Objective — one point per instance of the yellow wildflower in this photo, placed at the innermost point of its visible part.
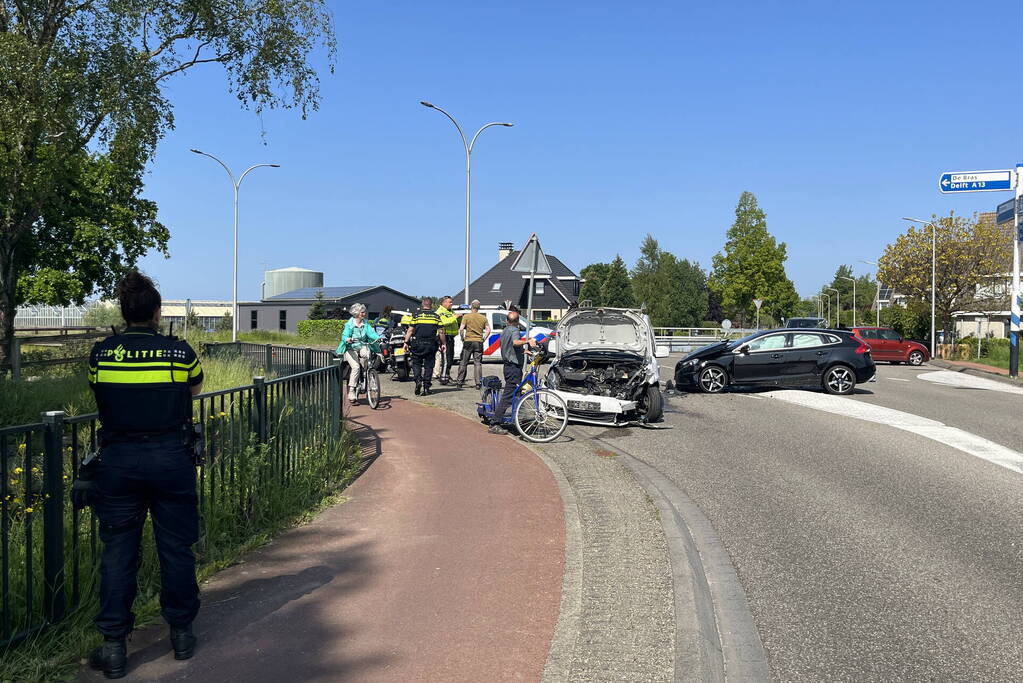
(36, 470)
(28, 509)
(18, 470)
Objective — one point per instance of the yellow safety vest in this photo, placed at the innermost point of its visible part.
(448, 321)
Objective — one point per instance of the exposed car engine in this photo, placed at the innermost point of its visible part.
(616, 375)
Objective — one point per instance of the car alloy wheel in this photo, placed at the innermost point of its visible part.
(839, 380)
(712, 379)
(916, 358)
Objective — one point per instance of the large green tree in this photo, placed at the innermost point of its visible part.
(674, 291)
(593, 277)
(968, 251)
(752, 266)
(864, 291)
(616, 291)
(83, 105)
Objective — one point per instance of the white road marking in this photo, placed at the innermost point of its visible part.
(957, 438)
(962, 380)
(759, 398)
(896, 379)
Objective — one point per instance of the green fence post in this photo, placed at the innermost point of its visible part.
(308, 359)
(335, 398)
(259, 397)
(268, 361)
(15, 359)
(53, 516)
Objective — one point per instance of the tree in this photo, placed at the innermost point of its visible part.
(318, 311)
(616, 291)
(674, 292)
(102, 314)
(593, 277)
(968, 251)
(82, 107)
(752, 266)
(224, 324)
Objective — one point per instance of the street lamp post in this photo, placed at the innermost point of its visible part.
(838, 306)
(235, 184)
(853, 280)
(934, 268)
(468, 175)
(877, 293)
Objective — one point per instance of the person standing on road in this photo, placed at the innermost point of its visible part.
(474, 329)
(358, 341)
(422, 338)
(512, 354)
(449, 323)
(144, 383)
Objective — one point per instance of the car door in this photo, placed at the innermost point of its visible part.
(891, 343)
(809, 351)
(760, 360)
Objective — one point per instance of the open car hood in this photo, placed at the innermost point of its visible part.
(605, 329)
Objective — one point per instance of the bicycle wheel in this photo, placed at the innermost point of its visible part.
(373, 388)
(541, 416)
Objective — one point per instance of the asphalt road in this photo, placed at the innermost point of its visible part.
(867, 550)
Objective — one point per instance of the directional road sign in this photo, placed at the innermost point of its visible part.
(976, 181)
(532, 259)
(1006, 211)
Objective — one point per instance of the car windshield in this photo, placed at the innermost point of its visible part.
(738, 342)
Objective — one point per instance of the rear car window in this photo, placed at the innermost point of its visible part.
(801, 340)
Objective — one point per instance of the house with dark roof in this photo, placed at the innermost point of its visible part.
(282, 312)
(553, 294)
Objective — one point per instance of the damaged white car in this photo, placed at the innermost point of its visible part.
(605, 367)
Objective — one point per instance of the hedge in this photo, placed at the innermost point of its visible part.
(321, 329)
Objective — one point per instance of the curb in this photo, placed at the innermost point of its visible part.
(976, 372)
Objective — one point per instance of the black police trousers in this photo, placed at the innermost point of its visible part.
(422, 365)
(512, 378)
(155, 476)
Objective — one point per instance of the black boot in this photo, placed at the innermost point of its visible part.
(419, 388)
(426, 390)
(183, 641)
(111, 657)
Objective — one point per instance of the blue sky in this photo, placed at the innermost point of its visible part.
(629, 118)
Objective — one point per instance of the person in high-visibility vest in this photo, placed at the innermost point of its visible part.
(449, 324)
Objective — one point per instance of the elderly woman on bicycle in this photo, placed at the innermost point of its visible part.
(358, 342)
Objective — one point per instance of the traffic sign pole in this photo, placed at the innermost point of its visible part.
(1014, 307)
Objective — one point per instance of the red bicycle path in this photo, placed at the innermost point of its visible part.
(445, 563)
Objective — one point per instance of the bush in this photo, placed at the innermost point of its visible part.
(320, 329)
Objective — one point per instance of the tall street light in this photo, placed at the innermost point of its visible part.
(838, 306)
(852, 280)
(235, 184)
(468, 174)
(934, 261)
(877, 293)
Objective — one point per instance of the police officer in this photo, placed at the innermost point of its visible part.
(422, 339)
(449, 324)
(144, 383)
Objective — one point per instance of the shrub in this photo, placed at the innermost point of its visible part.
(320, 329)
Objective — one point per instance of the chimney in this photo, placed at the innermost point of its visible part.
(503, 250)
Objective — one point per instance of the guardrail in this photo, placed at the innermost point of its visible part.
(258, 438)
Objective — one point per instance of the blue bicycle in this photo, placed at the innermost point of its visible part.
(539, 414)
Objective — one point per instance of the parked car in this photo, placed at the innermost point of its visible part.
(809, 323)
(835, 360)
(887, 344)
(605, 366)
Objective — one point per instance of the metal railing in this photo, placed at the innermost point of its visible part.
(273, 358)
(258, 438)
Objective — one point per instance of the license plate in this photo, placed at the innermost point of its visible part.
(399, 351)
(591, 406)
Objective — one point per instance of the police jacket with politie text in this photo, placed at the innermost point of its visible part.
(142, 381)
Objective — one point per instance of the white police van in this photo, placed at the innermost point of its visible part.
(498, 318)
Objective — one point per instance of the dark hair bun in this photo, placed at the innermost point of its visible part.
(138, 297)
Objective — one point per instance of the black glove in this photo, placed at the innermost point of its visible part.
(84, 491)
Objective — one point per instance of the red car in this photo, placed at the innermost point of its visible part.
(887, 344)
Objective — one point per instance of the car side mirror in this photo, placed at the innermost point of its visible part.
(744, 350)
(661, 352)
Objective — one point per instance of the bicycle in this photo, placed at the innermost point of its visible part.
(539, 414)
(369, 379)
